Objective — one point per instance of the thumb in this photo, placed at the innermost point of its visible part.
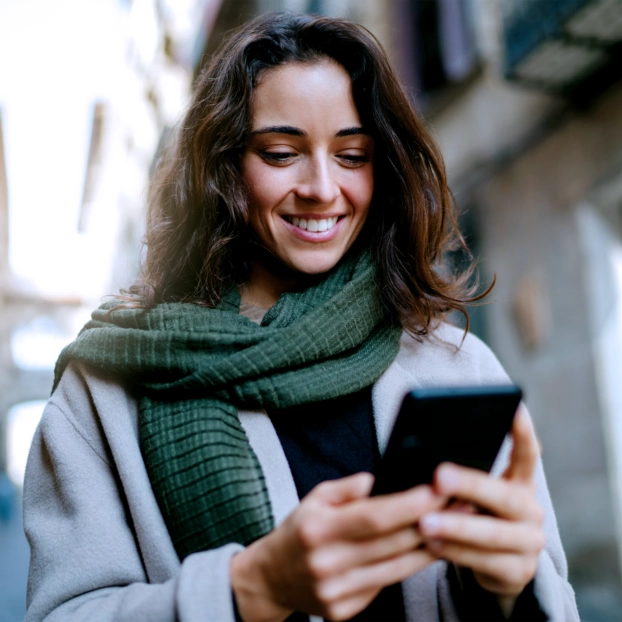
(345, 489)
(525, 451)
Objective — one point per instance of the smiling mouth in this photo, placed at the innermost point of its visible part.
(312, 224)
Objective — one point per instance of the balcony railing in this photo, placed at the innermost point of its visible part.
(563, 45)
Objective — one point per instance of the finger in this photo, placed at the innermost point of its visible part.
(341, 556)
(375, 576)
(482, 532)
(345, 609)
(525, 450)
(501, 497)
(503, 573)
(345, 489)
(377, 516)
(460, 506)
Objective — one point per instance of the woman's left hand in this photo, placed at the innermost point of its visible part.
(501, 543)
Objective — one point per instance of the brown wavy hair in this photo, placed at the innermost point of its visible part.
(198, 235)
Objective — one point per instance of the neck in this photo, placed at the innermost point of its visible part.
(267, 280)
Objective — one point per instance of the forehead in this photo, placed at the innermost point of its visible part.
(304, 94)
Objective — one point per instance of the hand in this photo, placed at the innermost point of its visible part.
(502, 544)
(334, 553)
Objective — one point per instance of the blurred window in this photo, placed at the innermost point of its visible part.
(444, 54)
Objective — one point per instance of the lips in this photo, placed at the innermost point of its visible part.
(311, 224)
(314, 230)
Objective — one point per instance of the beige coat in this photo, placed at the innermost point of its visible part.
(101, 550)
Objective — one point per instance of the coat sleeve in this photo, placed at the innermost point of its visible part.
(89, 560)
(463, 599)
(451, 358)
(550, 586)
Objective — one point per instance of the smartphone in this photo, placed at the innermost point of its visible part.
(464, 425)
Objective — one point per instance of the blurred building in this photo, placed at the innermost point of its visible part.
(88, 91)
(525, 99)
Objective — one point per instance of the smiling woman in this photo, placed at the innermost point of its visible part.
(201, 233)
(206, 453)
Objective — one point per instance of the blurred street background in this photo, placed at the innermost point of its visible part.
(525, 100)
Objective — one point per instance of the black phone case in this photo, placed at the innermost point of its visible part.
(464, 425)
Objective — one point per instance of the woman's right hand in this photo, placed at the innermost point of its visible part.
(334, 553)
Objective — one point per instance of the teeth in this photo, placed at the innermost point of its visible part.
(313, 225)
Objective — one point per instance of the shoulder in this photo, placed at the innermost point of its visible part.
(81, 382)
(447, 355)
(96, 404)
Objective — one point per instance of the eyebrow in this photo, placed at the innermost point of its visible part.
(351, 131)
(295, 131)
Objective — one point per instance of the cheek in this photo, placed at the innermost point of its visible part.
(256, 190)
(266, 189)
(359, 191)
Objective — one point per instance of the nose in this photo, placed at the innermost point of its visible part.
(318, 183)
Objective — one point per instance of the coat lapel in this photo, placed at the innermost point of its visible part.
(387, 395)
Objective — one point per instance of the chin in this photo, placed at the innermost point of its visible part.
(315, 265)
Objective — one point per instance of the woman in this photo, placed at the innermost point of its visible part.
(292, 293)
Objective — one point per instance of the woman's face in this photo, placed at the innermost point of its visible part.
(308, 166)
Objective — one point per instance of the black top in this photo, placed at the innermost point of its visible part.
(330, 440)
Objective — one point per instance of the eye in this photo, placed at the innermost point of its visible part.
(277, 157)
(353, 160)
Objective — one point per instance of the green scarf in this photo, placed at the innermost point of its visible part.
(193, 367)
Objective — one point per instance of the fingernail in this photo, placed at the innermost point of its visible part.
(447, 478)
(430, 523)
